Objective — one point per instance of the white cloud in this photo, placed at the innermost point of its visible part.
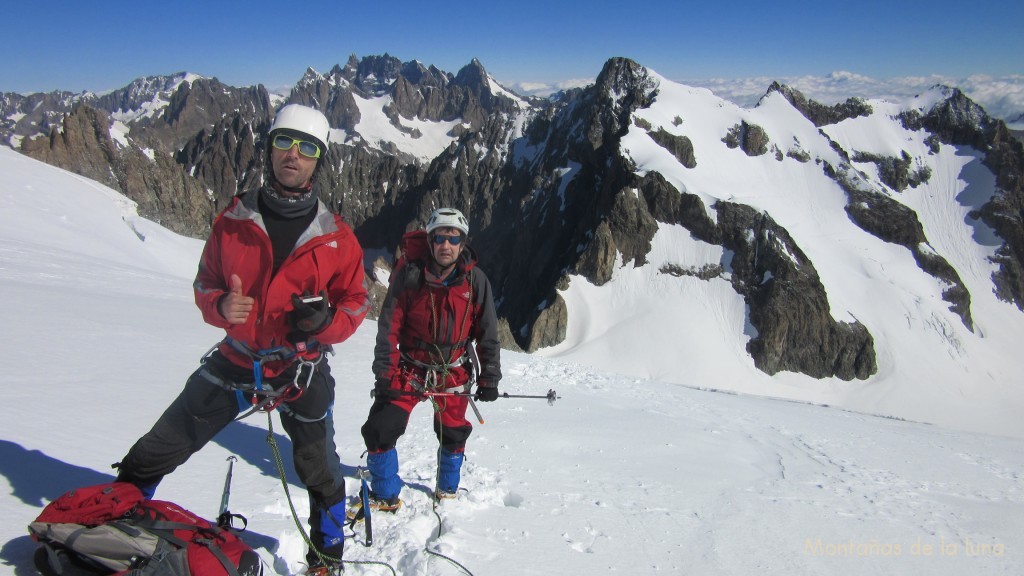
(548, 88)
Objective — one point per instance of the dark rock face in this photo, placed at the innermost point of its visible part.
(896, 173)
(668, 205)
(83, 144)
(887, 219)
(35, 114)
(788, 304)
(227, 158)
(1005, 214)
(195, 106)
(550, 325)
(679, 146)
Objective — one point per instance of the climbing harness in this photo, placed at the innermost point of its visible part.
(264, 398)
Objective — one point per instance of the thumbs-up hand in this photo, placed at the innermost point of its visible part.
(235, 306)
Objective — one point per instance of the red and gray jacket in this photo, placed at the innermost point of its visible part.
(327, 256)
(424, 323)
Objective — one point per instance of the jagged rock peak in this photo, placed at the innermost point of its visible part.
(472, 74)
(151, 84)
(414, 71)
(143, 91)
(958, 111)
(788, 92)
(622, 87)
(819, 114)
(311, 76)
(352, 65)
(624, 78)
(375, 74)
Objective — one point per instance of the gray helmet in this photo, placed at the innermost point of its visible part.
(448, 218)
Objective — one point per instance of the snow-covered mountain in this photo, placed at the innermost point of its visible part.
(621, 475)
(773, 245)
(701, 319)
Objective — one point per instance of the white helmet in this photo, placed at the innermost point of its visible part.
(303, 119)
(448, 218)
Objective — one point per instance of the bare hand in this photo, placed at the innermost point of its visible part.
(236, 306)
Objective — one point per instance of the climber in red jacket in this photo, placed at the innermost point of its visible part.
(283, 276)
(437, 326)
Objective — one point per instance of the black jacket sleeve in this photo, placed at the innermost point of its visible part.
(485, 331)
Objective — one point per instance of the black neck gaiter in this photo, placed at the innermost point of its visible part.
(288, 206)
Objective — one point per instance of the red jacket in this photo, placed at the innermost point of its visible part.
(328, 257)
(433, 323)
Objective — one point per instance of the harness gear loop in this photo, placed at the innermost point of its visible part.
(266, 399)
(290, 393)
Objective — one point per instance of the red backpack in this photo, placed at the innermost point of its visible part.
(415, 247)
(111, 529)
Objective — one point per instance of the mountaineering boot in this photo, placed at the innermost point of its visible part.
(384, 484)
(321, 570)
(449, 473)
(377, 504)
(440, 495)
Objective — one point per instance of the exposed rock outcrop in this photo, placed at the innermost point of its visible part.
(820, 114)
(750, 138)
(164, 192)
(788, 304)
(680, 146)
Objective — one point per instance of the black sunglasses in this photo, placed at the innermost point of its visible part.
(441, 239)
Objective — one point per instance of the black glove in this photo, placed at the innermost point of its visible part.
(310, 317)
(486, 393)
(382, 389)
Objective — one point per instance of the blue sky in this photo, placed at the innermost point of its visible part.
(75, 46)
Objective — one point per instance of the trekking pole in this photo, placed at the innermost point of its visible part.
(550, 396)
(424, 394)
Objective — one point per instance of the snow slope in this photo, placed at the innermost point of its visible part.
(621, 475)
(931, 367)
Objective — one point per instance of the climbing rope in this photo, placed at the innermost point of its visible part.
(325, 558)
(437, 480)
